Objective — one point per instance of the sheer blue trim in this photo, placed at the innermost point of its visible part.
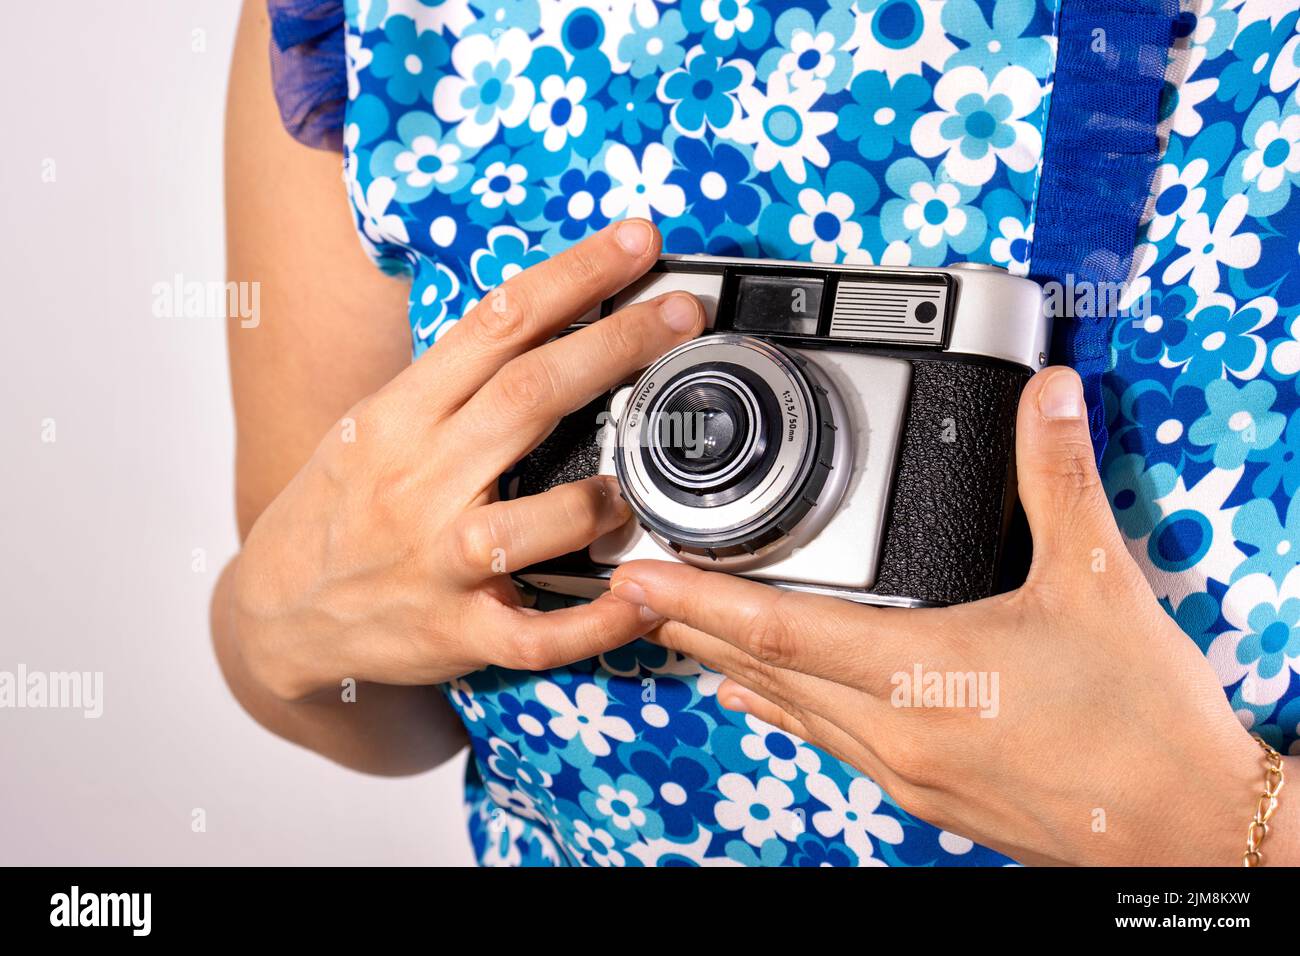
(1100, 153)
(309, 70)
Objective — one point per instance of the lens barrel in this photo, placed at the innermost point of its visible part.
(725, 444)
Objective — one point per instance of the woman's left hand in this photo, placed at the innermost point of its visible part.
(1103, 736)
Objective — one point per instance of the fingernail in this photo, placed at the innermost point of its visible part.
(1061, 397)
(634, 236)
(732, 702)
(629, 592)
(679, 312)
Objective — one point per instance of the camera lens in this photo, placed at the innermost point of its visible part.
(703, 427)
(724, 444)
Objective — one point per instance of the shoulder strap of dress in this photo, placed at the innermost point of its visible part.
(309, 70)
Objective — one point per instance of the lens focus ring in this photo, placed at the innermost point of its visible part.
(724, 445)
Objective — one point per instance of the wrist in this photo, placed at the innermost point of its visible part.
(272, 649)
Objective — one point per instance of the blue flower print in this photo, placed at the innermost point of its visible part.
(507, 254)
(1254, 50)
(575, 208)
(505, 186)
(1273, 639)
(900, 132)
(565, 116)
(1133, 490)
(488, 89)
(654, 50)
(1160, 421)
(1269, 166)
(1277, 546)
(824, 223)
(674, 780)
(422, 158)
(1239, 421)
(636, 112)
(623, 807)
(814, 851)
(433, 290)
(991, 48)
(701, 93)
(497, 14)
(808, 51)
(714, 182)
(727, 24)
(526, 720)
(981, 123)
(1281, 463)
(410, 61)
(1218, 339)
(882, 113)
(931, 214)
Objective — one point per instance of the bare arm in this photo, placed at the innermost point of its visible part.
(332, 330)
(375, 557)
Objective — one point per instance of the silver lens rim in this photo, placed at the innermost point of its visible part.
(753, 516)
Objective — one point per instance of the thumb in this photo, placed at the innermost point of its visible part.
(1069, 515)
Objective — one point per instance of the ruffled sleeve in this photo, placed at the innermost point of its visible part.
(309, 69)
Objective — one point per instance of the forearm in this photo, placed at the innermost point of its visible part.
(387, 730)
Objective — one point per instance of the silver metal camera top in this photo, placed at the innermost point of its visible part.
(993, 313)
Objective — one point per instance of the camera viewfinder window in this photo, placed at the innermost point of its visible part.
(777, 304)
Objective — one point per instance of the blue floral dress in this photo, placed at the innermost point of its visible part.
(1138, 140)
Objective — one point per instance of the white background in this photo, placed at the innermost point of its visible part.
(98, 529)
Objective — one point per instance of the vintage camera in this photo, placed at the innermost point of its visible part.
(839, 429)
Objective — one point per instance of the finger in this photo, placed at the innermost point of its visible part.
(1062, 494)
(539, 641)
(786, 687)
(531, 307)
(822, 636)
(523, 402)
(506, 536)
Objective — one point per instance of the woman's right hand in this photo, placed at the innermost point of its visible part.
(386, 558)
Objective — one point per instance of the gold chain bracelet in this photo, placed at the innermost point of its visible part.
(1267, 803)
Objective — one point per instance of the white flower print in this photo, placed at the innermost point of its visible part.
(620, 807)
(853, 816)
(783, 127)
(1011, 249)
(585, 719)
(462, 696)
(597, 844)
(501, 183)
(358, 58)
(559, 113)
(1242, 607)
(759, 811)
(408, 164)
(653, 852)
(973, 125)
(915, 215)
(639, 189)
(930, 48)
(1269, 177)
(728, 18)
(845, 244)
(1208, 248)
(793, 755)
(379, 224)
(1185, 120)
(489, 90)
(802, 42)
(1176, 196)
